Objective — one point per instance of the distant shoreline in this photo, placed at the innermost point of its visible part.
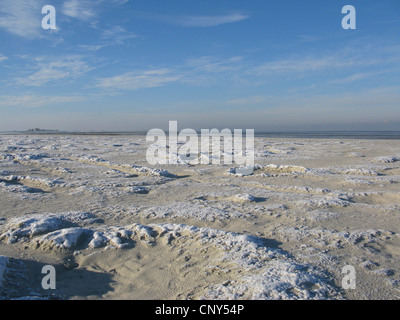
(392, 135)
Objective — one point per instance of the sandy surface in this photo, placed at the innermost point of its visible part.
(115, 227)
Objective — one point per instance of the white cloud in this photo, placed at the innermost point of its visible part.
(79, 9)
(36, 100)
(21, 18)
(138, 80)
(213, 65)
(210, 21)
(201, 70)
(365, 75)
(92, 48)
(377, 102)
(120, 1)
(192, 20)
(2, 58)
(354, 77)
(248, 101)
(304, 64)
(346, 58)
(307, 38)
(85, 9)
(48, 70)
(117, 34)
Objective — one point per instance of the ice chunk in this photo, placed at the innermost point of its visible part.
(63, 239)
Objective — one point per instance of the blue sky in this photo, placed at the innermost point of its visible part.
(135, 65)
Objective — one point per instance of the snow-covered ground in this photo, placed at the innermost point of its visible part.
(93, 207)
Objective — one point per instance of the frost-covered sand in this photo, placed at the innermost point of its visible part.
(115, 227)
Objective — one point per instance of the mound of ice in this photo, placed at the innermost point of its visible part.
(358, 182)
(66, 231)
(293, 188)
(25, 228)
(323, 202)
(153, 171)
(282, 280)
(329, 238)
(6, 156)
(136, 189)
(13, 188)
(104, 238)
(63, 170)
(358, 171)
(261, 272)
(29, 157)
(92, 159)
(389, 159)
(42, 181)
(190, 211)
(133, 168)
(241, 171)
(263, 153)
(270, 170)
(244, 197)
(66, 238)
(368, 236)
(283, 168)
(271, 274)
(29, 228)
(120, 237)
(356, 154)
(35, 180)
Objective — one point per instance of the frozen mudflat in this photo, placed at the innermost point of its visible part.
(115, 227)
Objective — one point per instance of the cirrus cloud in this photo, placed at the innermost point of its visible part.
(138, 80)
(210, 21)
(50, 70)
(21, 18)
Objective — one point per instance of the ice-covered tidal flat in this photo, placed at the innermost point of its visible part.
(115, 227)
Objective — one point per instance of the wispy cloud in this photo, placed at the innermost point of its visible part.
(304, 64)
(138, 80)
(198, 71)
(2, 58)
(248, 101)
(50, 70)
(21, 18)
(86, 10)
(120, 1)
(92, 48)
(117, 35)
(194, 20)
(79, 9)
(210, 21)
(33, 100)
(354, 60)
(354, 77)
(351, 102)
(307, 38)
(210, 70)
(214, 65)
